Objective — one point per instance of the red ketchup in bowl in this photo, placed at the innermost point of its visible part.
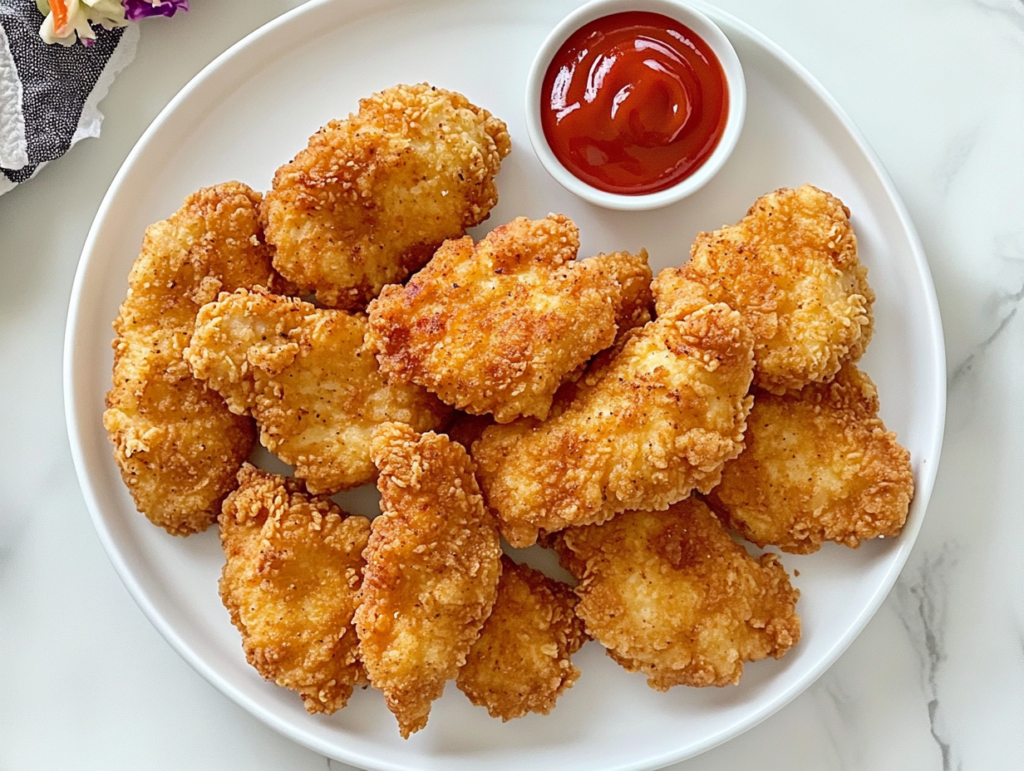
(634, 103)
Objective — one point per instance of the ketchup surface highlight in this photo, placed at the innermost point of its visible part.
(633, 103)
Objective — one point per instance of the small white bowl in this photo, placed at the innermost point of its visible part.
(684, 14)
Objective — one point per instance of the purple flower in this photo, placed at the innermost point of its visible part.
(140, 9)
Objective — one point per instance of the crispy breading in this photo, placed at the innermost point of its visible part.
(671, 595)
(497, 327)
(306, 376)
(291, 584)
(372, 196)
(521, 662)
(819, 466)
(657, 421)
(433, 563)
(791, 268)
(175, 442)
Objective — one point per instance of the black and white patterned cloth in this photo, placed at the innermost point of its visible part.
(49, 93)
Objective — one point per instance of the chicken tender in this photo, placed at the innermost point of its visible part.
(657, 421)
(307, 378)
(521, 662)
(819, 466)
(671, 595)
(497, 327)
(176, 443)
(291, 584)
(372, 197)
(791, 268)
(433, 563)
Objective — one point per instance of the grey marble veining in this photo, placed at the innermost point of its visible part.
(921, 599)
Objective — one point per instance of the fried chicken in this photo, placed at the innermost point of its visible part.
(176, 443)
(433, 563)
(291, 582)
(497, 327)
(819, 466)
(307, 378)
(791, 268)
(521, 662)
(671, 595)
(657, 421)
(373, 196)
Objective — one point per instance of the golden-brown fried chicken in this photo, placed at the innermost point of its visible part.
(521, 662)
(671, 595)
(291, 584)
(497, 327)
(371, 197)
(433, 563)
(307, 378)
(791, 268)
(656, 422)
(175, 442)
(819, 466)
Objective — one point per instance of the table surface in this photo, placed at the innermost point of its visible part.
(936, 681)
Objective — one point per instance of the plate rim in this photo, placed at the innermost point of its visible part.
(75, 417)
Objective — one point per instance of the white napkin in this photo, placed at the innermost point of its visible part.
(49, 93)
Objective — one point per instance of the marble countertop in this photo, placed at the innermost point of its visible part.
(936, 680)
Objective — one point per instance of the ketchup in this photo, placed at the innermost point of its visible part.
(633, 103)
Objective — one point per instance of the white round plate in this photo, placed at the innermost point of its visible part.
(252, 110)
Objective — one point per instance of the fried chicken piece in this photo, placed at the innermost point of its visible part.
(671, 595)
(175, 442)
(521, 662)
(372, 197)
(306, 376)
(497, 327)
(819, 466)
(432, 570)
(290, 582)
(790, 267)
(657, 421)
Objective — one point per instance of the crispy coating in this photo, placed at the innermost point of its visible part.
(819, 466)
(657, 421)
(671, 595)
(497, 327)
(371, 197)
(433, 563)
(307, 378)
(175, 442)
(791, 268)
(521, 662)
(291, 584)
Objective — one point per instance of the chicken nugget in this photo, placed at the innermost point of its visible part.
(291, 583)
(658, 420)
(791, 268)
(433, 563)
(306, 376)
(819, 466)
(497, 327)
(372, 197)
(521, 662)
(175, 441)
(671, 595)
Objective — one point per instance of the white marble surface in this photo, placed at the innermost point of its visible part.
(936, 681)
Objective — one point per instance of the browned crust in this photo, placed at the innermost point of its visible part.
(293, 567)
(819, 466)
